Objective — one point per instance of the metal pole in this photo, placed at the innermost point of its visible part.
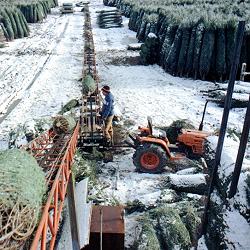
(72, 214)
(227, 105)
(241, 152)
(101, 219)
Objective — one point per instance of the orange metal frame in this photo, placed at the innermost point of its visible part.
(52, 209)
(194, 139)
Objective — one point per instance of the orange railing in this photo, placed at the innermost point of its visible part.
(48, 226)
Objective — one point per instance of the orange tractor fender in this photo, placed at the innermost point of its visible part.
(162, 142)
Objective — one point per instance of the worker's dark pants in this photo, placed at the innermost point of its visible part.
(108, 130)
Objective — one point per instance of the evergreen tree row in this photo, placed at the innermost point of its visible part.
(13, 23)
(193, 45)
(37, 11)
(14, 20)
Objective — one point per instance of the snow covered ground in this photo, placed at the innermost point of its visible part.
(40, 73)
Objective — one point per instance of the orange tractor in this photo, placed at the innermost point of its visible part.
(152, 152)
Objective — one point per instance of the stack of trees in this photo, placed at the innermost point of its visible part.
(15, 16)
(109, 19)
(36, 12)
(196, 38)
(13, 23)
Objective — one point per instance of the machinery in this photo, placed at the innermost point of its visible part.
(153, 151)
(67, 8)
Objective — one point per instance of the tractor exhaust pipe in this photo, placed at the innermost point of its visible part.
(203, 115)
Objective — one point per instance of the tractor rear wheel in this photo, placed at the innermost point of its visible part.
(150, 158)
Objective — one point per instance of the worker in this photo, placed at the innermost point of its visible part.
(107, 113)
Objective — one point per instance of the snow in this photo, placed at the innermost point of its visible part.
(237, 231)
(40, 73)
(190, 180)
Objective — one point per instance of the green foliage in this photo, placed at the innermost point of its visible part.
(19, 25)
(10, 13)
(134, 206)
(197, 48)
(190, 53)
(88, 84)
(192, 221)
(173, 55)
(230, 37)
(23, 23)
(183, 51)
(215, 228)
(174, 129)
(149, 50)
(21, 179)
(141, 31)
(221, 53)
(147, 239)
(7, 25)
(187, 53)
(68, 106)
(170, 228)
(206, 53)
(83, 168)
(169, 38)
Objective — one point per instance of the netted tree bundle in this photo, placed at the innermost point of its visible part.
(141, 31)
(88, 85)
(217, 15)
(3, 32)
(190, 53)
(10, 13)
(64, 124)
(173, 55)
(173, 232)
(7, 25)
(221, 54)
(230, 37)
(169, 39)
(174, 129)
(197, 48)
(36, 12)
(183, 51)
(22, 187)
(206, 53)
(68, 106)
(147, 30)
(162, 31)
(109, 2)
(147, 239)
(14, 23)
(149, 53)
(132, 20)
(12, 3)
(19, 25)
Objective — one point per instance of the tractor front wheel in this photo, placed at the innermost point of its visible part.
(150, 158)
